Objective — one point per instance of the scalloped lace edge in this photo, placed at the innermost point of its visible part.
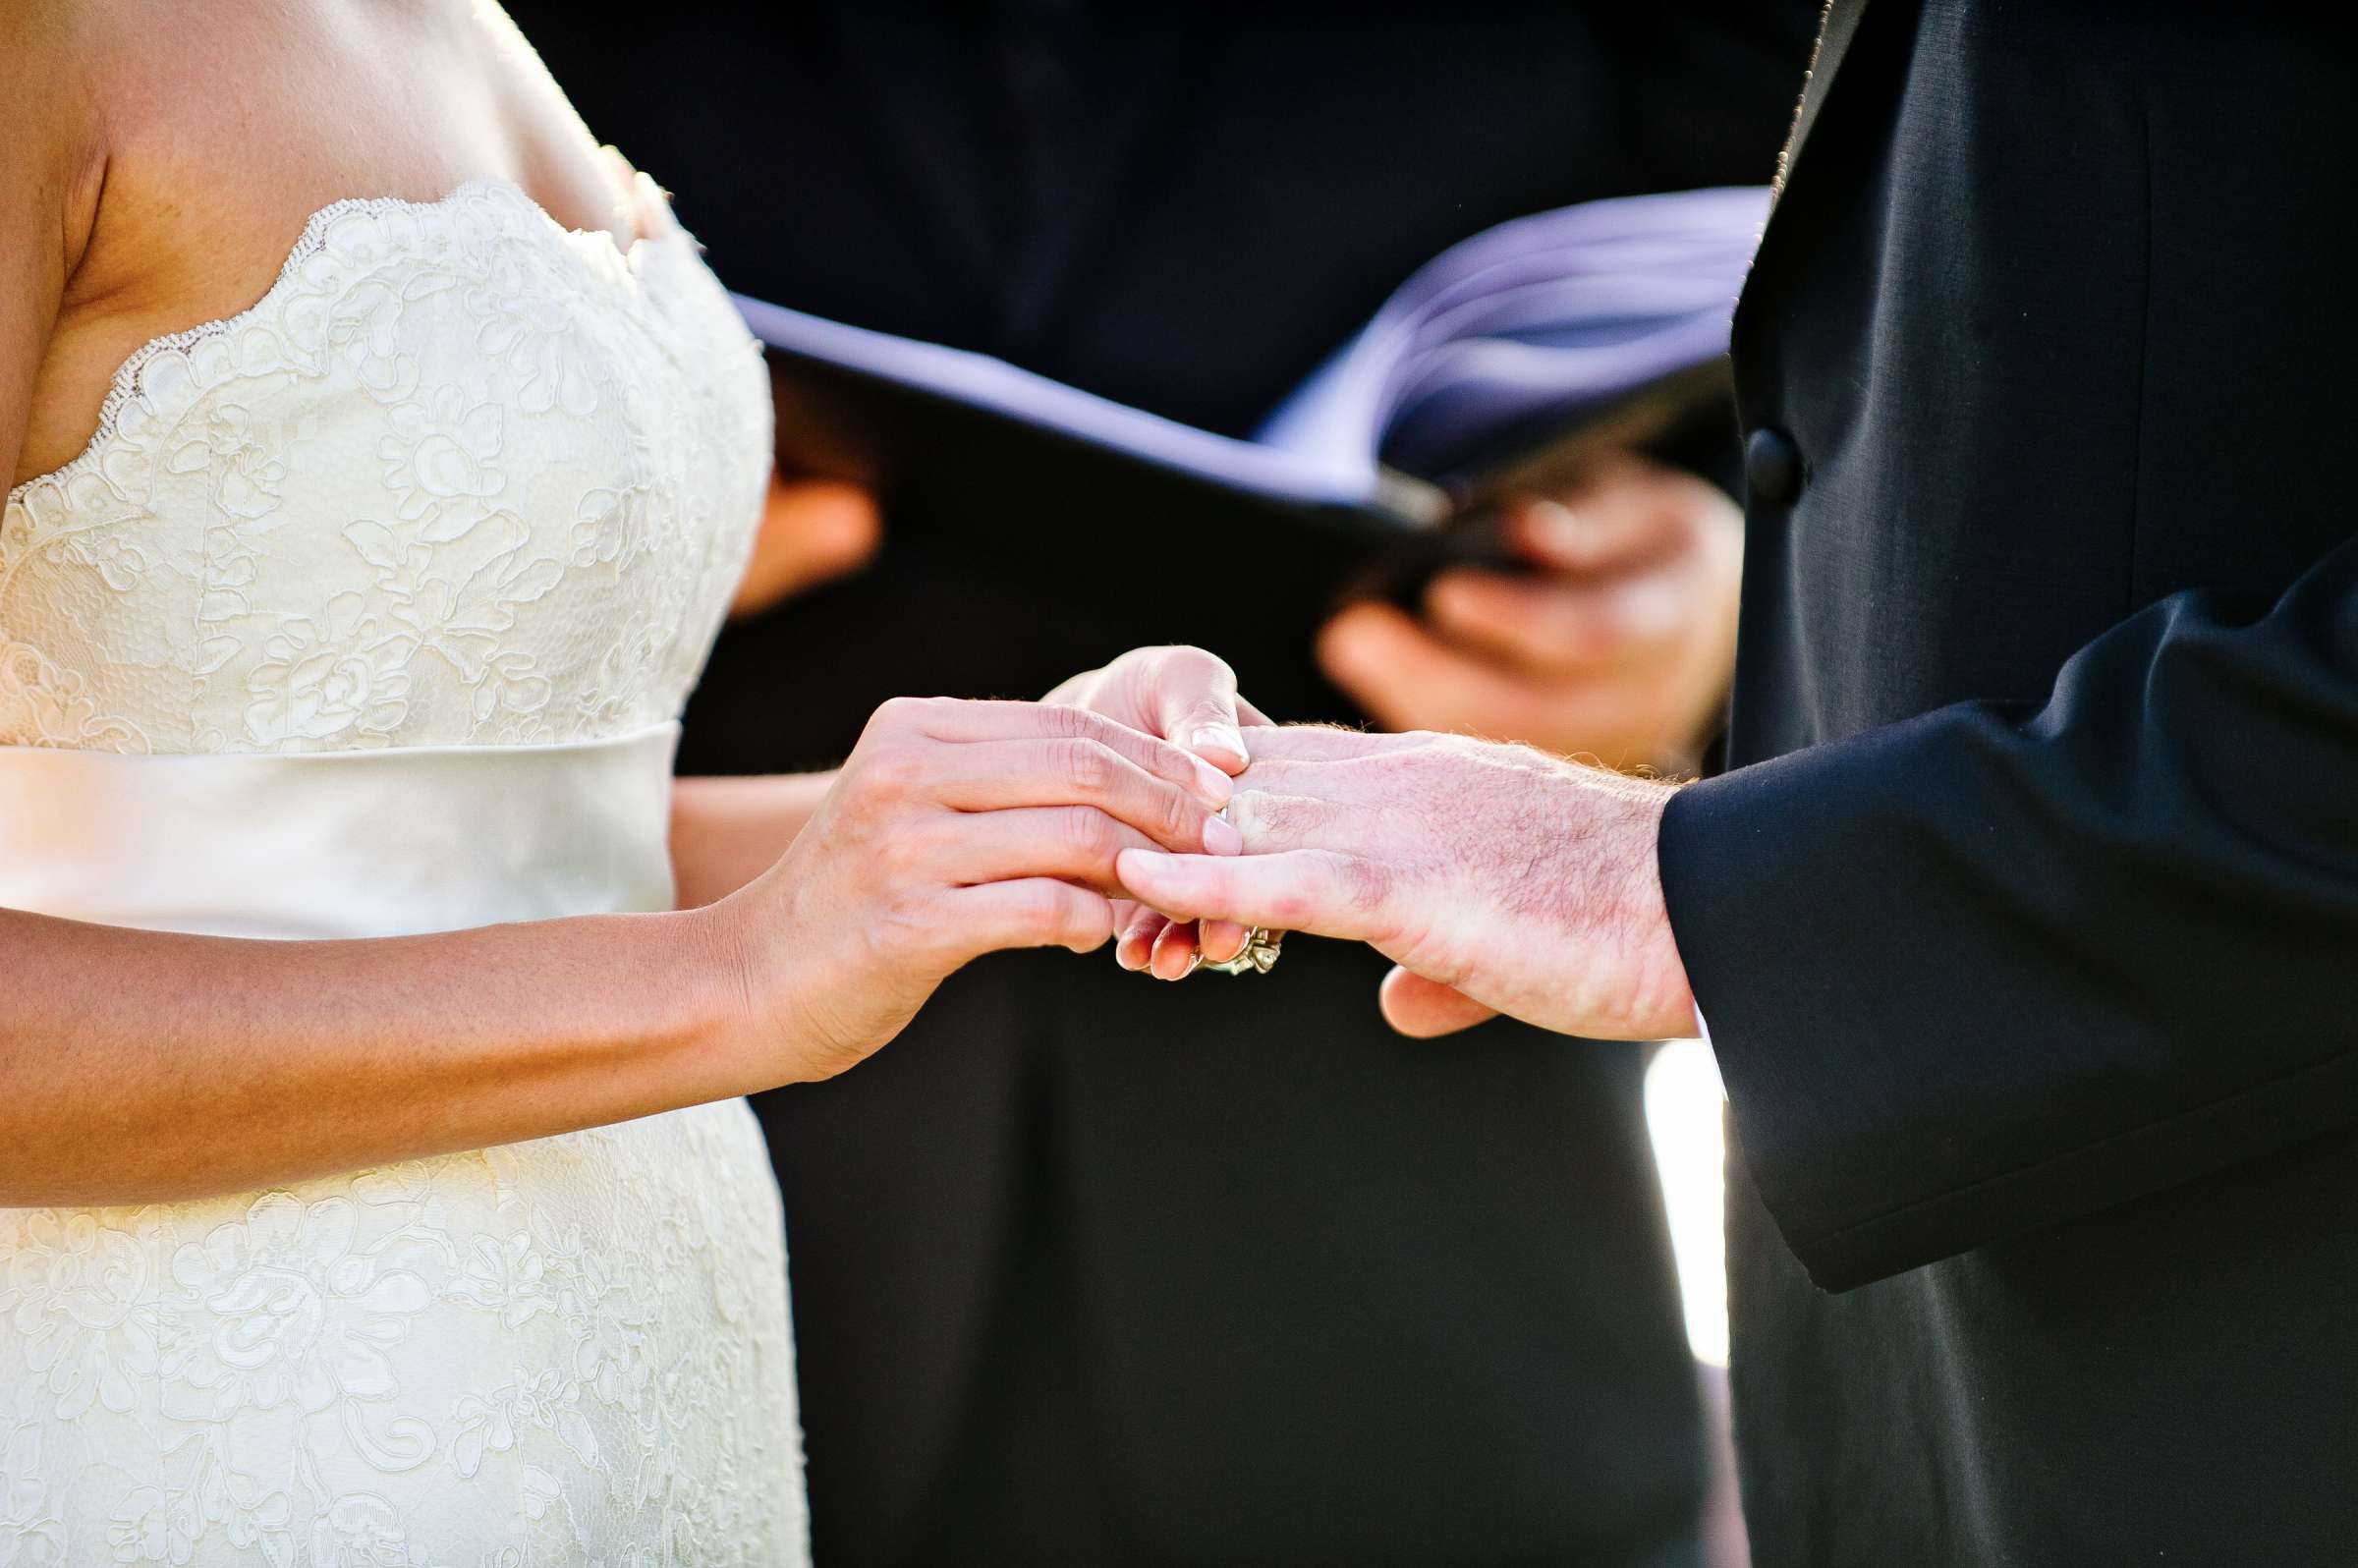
(125, 384)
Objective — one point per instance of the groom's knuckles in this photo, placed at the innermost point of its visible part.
(1316, 742)
(1336, 893)
(1366, 886)
(1275, 821)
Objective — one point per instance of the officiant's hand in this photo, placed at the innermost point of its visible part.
(1618, 644)
(1499, 879)
(812, 532)
(1188, 697)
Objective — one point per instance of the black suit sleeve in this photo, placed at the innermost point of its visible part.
(1988, 970)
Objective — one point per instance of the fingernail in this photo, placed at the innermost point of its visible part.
(1212, 784)
(1220, 836)
(1223, 738)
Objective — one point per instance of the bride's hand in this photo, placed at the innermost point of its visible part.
(954, 830)
(1188, 697)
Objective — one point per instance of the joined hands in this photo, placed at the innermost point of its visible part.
(1499, 879)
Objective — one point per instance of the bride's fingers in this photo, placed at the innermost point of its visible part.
(1192, 696)
(996, 775)
(1317, 891)
(1030, 912)
(951, 720)
(1078, 842)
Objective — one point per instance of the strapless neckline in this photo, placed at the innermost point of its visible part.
(124, 384)
(461, 473)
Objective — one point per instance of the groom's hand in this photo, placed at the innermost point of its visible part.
(1498, 878)
(1186, 697)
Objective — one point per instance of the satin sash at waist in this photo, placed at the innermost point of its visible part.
(379, 843)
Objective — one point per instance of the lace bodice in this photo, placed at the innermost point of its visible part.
(461, 476)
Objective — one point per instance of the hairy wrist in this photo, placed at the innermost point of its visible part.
(1610, 887)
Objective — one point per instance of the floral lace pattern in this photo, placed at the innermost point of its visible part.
(572, 1351)
(462, 478)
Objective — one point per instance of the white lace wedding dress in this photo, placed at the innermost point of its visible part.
(371, 610)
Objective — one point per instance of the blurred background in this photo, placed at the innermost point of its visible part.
(1093, 1268)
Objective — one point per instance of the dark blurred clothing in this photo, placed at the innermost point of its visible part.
(1088, 1269)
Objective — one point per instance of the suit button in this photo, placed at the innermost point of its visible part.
(1771, 465)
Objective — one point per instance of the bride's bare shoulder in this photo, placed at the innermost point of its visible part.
(49, 180)
(78, 79)
(54, 56)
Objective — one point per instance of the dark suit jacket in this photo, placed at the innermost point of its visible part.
(2028, 940)
(1088, 1269)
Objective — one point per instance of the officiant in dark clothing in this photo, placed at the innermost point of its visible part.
(1088, 1269)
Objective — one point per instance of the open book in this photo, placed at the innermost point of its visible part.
(1507, 357)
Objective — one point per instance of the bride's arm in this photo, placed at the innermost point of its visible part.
(138, 1066)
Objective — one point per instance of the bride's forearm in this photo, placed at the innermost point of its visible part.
(138, 1066)
(727, 831)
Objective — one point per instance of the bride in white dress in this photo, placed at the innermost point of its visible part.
(427, 1231)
